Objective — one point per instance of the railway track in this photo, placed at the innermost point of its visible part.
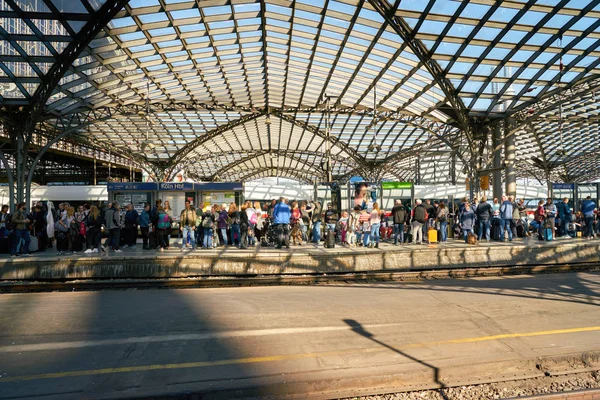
(203, 281)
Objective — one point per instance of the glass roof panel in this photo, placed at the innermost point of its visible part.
(208, 64)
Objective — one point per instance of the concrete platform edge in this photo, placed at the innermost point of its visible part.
(232, 263)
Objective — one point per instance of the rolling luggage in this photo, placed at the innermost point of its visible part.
(152, 242)
(33, 244)
(408, 238)
(330, 239)
(432, 235)
(547, 234)
(495, 229)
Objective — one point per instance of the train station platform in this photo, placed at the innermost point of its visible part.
(307, 259)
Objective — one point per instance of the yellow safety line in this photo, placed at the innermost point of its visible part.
(286, 357)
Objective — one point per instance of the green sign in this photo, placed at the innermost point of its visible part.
(396, 185)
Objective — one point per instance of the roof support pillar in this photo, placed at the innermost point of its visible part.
(18, 149)
(497, 161)
(510, 155)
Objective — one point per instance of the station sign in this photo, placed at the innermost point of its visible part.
(563, 186)
(396, 185)
(174, 186)
(120, 186)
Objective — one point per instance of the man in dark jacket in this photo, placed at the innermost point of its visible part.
(418, 221)
(564, 215)
(483, 213)
(20, 223)
(400, 217)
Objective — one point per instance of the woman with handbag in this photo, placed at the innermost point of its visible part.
(93, 225)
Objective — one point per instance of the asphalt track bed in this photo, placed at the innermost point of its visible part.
(323, 341)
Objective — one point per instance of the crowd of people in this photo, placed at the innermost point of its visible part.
(281, 221)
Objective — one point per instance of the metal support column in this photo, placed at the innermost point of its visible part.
(497, 162)
(510, 157)
(575, 197)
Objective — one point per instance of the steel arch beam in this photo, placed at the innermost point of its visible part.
(228, 169)
(531, 111)
(178, 157)
(317, 132)
(89, 31)
(282, 173)
(387, 11)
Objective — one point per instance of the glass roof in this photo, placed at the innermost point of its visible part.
(239, 89)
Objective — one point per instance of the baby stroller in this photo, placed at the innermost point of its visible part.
(269, 238)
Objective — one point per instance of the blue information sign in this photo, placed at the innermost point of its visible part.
(173, 186)
(141, 186)
(563, 186)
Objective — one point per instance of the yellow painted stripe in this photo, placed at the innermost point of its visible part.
(288, 357)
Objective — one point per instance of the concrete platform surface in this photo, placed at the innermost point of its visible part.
(304, 342)
(139, 263)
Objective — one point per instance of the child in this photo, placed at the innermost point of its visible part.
(342, 224)
(352, 226)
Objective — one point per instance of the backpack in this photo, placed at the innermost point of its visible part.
(164, 221)
(207, 222)
(420, 214)
(74, 228)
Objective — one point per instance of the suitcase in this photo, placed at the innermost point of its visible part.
(432, 236)
(547, 234)
(495, 230)
(408, 238)
(34, 244)
(152, 242)
(330, 240)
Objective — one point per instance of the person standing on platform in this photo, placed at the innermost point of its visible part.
(162, 226)
(113, 225)
(375, 223)
(252, 219)
(442, 217)
(331, 218)
(467, 221)
(588, 208)
(506, 215)
(20, 224)
(305, 217)
(244, 226)
(281, 220)
(316, 211)
(187, 226)
(429, 218)
(418, 220)
(550, 214)
(131, 226)
(208, 223)
(400, 216)
(483, 215)
(93, 225)
(523, 216)
(145, 226)
(564, 216)
(234, 216)
(222, 224)
(352, 228)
